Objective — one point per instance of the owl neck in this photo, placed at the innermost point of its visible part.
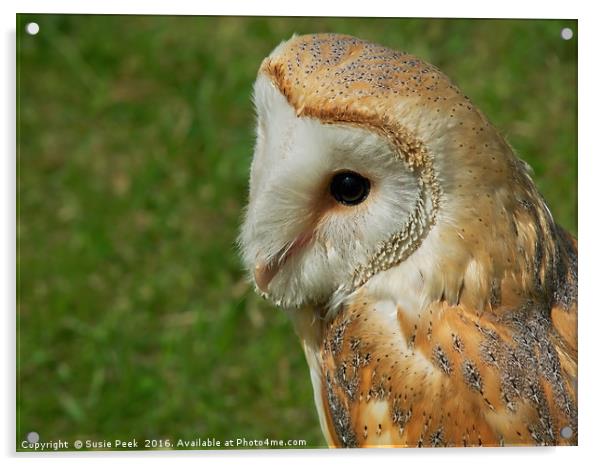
(523, 256)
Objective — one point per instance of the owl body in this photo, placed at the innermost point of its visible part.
(433, 293)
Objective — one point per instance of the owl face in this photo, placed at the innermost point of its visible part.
(323, 199)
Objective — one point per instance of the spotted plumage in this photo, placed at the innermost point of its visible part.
(439, 307)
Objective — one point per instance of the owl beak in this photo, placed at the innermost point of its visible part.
(264, 272)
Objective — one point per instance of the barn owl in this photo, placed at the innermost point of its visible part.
(434, 295)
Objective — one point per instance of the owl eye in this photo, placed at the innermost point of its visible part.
(349, 188)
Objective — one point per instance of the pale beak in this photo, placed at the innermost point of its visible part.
(264, 272)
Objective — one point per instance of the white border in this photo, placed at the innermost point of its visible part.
(590, 322)
(382, 8)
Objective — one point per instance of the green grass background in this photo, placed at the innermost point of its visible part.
(135, 135)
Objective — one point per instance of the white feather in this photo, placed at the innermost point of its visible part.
(295, 157)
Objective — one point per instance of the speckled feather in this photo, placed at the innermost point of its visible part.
(491, 358)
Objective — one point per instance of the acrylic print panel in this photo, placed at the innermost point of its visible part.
(420, 291)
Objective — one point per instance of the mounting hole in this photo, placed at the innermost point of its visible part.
(566, 432)
(32, 28)
(33, 437)
(566, 33)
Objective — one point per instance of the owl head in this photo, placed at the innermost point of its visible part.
(369, 167)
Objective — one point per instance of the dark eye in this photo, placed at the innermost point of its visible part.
(349, 188)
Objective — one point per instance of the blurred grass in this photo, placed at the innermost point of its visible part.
(135, 136)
